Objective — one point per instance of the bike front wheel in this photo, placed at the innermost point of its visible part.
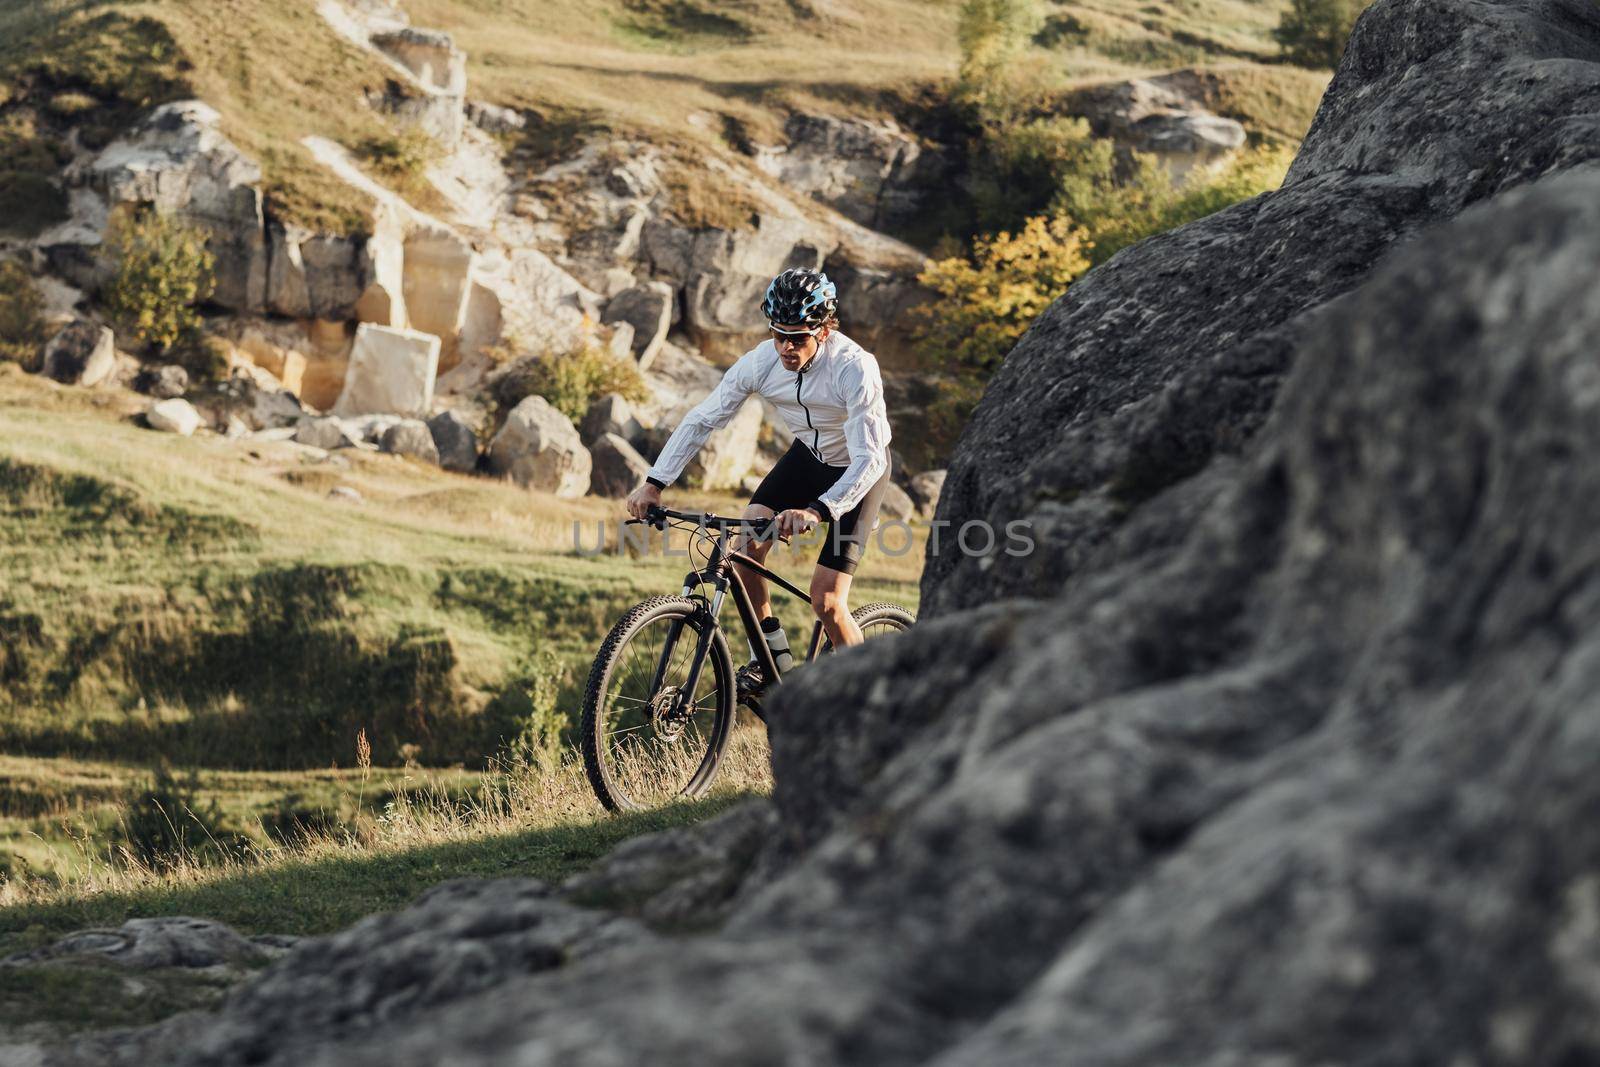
(646, 741)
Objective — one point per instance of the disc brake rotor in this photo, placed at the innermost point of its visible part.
(668, 723)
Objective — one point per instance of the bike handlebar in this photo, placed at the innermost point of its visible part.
(659, 516)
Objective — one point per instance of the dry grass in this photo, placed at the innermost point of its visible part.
(423, 810)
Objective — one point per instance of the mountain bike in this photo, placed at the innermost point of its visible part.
(660, 704)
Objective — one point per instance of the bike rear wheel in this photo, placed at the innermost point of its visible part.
(643, 744)
(877, 620)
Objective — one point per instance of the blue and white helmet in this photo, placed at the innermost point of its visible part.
(801, 297)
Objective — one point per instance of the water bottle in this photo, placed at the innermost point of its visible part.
(778, 642)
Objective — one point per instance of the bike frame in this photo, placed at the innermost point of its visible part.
(718, 573)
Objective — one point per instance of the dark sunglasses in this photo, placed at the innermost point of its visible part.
(797, 338)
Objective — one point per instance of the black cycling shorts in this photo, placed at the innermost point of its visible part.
(800, 478)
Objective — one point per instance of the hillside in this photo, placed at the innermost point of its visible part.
(278, 72)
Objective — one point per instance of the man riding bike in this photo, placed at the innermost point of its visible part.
(828, 390)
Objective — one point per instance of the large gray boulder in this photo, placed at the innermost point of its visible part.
(455, 440)
(327, 433)
(925, 489)
(410, 437)
(1138, 377)
(611, 414)
(80, 353)
(1156, 117)
(618, 467)
(538, 448)
(1290, 760)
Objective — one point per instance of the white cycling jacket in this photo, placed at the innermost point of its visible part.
(834, 406)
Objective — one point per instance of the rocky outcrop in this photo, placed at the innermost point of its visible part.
(870, 171)
(391, 372)
(178, 161)
(1154, 116)
(538, 448)
(647, 310)
(80, 353)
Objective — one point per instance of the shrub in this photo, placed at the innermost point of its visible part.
(21, 328)
(570, 381)
(163, 272)
(402, 159)
(986, 301)
(1150, 205)
(1313, 33)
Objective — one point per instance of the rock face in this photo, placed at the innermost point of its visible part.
(648, 309)
(1134, 381)
(80, 353)
(1282, 754)
(391, 372)
(178, 161)
(873, 172)
(538, 448)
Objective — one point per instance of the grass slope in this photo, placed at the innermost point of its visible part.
(677, 71)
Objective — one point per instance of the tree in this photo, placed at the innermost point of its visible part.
(992, 35)
(1313, 33)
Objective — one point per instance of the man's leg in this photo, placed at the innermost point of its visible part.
(754, 584)
(830, 599)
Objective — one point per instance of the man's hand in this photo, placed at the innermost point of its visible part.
(797, 521)
(642, 499)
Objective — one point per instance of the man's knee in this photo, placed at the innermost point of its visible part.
(829, 601)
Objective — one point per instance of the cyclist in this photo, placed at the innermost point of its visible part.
(828, 390)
